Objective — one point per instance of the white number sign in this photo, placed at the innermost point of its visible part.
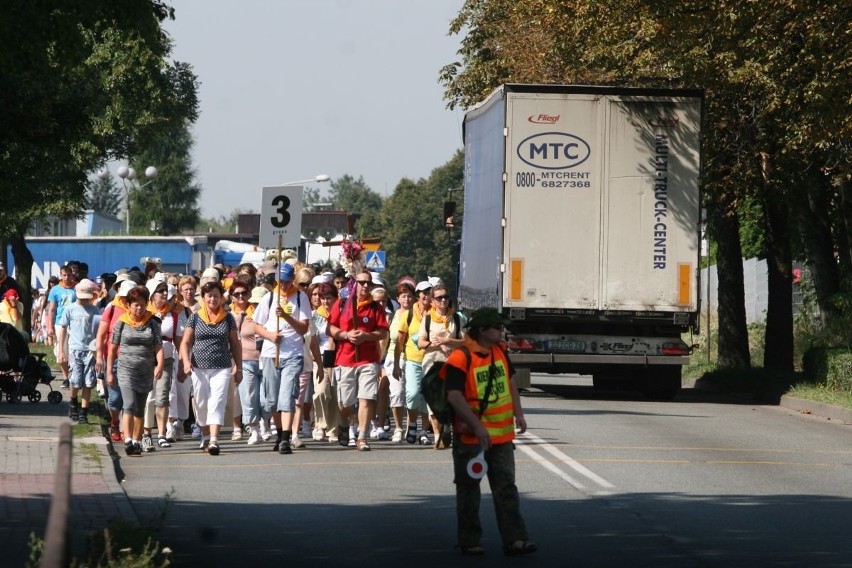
(281, 214)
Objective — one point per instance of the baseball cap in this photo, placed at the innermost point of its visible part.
(423, 286)
(85, 289)
(153, 285)
(287, 272)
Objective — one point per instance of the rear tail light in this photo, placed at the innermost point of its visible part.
(676, 348)
(521, 344)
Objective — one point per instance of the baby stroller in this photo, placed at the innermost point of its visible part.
(22, 371)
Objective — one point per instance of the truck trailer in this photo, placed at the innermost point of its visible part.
(582, 227)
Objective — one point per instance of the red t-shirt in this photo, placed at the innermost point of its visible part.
(370, 318)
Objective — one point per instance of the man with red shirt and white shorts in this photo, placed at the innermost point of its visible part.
(358, 325)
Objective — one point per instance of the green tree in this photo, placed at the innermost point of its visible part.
(104, 196)
(773, 73)
(83, 82)
(411, 226)
(169, 205)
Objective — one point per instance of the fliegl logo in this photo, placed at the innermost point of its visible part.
(554, 151)
(543, 118)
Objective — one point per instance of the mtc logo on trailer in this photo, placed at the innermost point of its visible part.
(553, 151)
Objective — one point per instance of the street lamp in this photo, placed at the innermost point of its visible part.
(126, 173)
(319, 179)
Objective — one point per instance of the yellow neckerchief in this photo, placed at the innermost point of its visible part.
(284, 297)
(159, 313)
(438, 318)
(209, 319)
(323, 312)
(127, 318)
(249, 311)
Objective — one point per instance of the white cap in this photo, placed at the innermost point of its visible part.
(378, 280)
(210, 273)
(126, 287)
(153, 284)
(423, 285)
(434, 281)
(85, 289)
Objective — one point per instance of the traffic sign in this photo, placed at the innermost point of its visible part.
(281, 215)
(376, 261)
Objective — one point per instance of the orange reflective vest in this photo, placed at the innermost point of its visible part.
(499, 415)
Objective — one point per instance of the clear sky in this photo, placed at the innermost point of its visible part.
(292, 89)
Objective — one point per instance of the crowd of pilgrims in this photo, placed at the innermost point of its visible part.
(182, 358)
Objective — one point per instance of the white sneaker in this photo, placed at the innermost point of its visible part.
(398, 435)
(237, 435)
(383, 434)
(254, 438)
(196, 431)
(264, 431)
(318, 434)
(170, 433)
(297, 443)
(353, 432)
(178, 430)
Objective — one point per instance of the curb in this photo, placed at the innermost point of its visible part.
(817, 409)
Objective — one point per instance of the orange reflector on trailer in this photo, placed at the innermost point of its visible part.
(684, 284)
(516, 279)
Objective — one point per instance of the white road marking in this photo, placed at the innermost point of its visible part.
(561, 456)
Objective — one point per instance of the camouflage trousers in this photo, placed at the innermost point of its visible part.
(501, 479)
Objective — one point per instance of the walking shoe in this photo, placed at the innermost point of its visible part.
(237, 435)
(66, 384)
(353, 432)
(148, 443)
(203, 445)
(374, 430)
(115, 432)
(196, 431)
(177, 426)
(424, 438)
(277, 445)
(163, 442)
(264, 431)
(254, 438)
(333, 440)
(297, 443)
(363, 445)
(318, 434)
(213, 448)
(383, 434)
(411, 437)
(129, 449)
(353, 442)
(137, 449)
(84, 416)
(73, 412)
(285, 448)
(170, 433)
(397, 435)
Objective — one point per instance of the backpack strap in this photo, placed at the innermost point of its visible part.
(428, 321)
(457, 320)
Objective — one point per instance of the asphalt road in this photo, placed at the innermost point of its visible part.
(605, 480)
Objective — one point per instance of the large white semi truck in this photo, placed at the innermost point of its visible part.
(582, 226)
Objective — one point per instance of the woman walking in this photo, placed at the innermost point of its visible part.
(323, 296)
(137, 335)
(244, 300)
(181, 391)
(211, 353)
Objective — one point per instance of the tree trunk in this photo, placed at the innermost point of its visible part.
(733, 332)
(23, 271)
(814, 218)
(844, 229)
(778, 347)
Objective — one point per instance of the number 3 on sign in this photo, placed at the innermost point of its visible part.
(281, 215)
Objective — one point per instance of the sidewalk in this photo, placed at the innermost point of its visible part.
(28, 450)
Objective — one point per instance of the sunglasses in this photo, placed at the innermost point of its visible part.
(240, 293)
(365, 282)
(439, 298)
(498, 327)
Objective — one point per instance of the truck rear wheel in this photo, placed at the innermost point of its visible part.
(661, 382)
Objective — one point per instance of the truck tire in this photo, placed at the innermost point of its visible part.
(661, 382)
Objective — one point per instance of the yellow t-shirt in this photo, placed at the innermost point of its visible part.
(412, 352)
